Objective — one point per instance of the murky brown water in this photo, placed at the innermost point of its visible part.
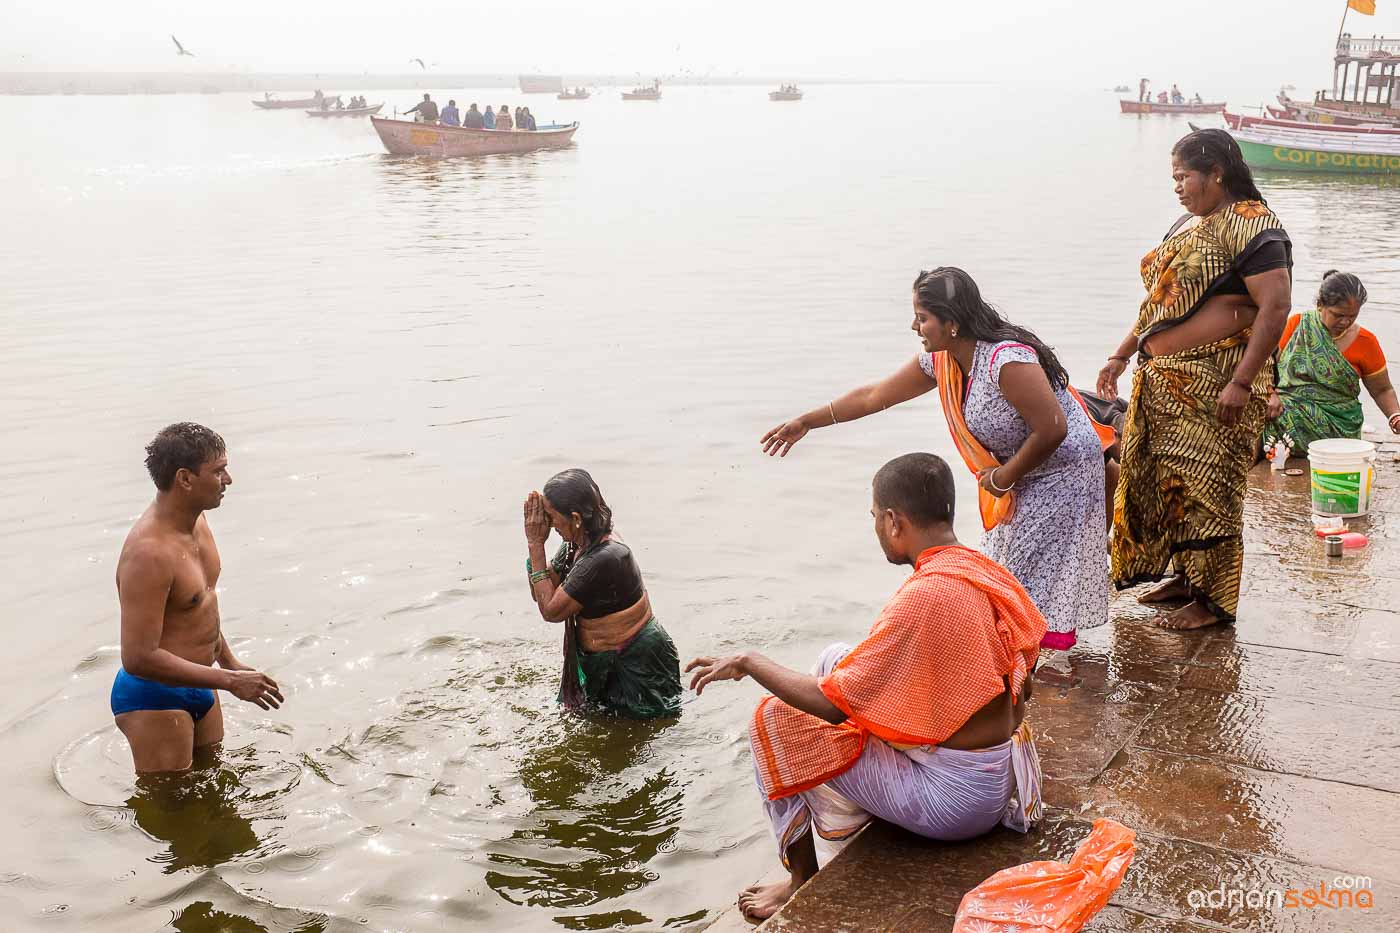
(397, 351)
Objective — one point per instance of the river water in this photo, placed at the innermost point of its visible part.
(397, 351)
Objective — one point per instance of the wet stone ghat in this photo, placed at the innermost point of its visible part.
(1256, 762)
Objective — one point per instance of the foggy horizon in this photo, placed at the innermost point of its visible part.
(1055, 43)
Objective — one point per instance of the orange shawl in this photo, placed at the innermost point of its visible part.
(995, 511)
(936, 655)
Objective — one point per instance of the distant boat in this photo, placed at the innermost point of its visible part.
(299, 104)
(644, 93)
(1149, 106)
(786, 93)
(579, 94)
(541, 84)
(345, 111)
(1312, 151)
(1244, 122)
(405, 137)
(1122, 89)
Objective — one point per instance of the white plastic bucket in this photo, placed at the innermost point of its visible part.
(1342, 476)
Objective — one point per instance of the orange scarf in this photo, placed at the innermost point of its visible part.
(936, 655)
(995, 511)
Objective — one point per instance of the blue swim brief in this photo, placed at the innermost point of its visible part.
(131, 693)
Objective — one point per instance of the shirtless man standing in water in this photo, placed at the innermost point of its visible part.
(163, 697)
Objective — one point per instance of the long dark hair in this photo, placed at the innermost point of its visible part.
(950, 294)
(1338, 287)
(1204, 150)
(574, 491)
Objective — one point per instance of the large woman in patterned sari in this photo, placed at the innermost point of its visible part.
(1218, 293)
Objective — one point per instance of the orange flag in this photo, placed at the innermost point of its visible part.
(1363, 6)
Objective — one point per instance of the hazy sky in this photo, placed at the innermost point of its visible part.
(1201, 43)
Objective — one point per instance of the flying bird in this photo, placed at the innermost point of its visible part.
(180, 49)
(420, 63)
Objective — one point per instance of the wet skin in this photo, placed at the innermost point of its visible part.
(605, 633)
(166, 582)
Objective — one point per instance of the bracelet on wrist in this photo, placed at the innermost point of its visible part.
(1121, 359)
(1392, 418)
(992, 478)
(537, 576)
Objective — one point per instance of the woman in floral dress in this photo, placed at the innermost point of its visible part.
(1020, 428)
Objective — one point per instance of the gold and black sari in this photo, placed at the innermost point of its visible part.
(1180, 500)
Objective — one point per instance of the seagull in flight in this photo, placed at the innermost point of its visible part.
(420, 63)
(180, 49)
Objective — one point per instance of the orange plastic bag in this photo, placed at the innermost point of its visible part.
(1051, 897)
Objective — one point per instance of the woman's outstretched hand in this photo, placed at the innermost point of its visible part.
(782, 438)
(1108, 379)
(1275, 407)
(536, 519)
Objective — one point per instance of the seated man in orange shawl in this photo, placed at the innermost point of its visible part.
(920, 723)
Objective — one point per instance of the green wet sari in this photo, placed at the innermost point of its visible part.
(639, 680)
(1320, 391)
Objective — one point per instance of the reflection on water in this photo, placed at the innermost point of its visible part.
(206, 816)
(606, 803)
(393, 347)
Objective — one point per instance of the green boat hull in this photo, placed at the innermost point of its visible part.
(1291, 159)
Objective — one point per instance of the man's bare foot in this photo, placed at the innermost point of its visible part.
(761, 901)
(1191, 616)
(1174, 590)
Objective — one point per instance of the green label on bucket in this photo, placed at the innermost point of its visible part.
(1336, 493)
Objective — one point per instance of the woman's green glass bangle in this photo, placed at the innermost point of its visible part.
(537, 576)
(529, 566)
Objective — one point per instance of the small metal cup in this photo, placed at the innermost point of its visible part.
(1334, 545)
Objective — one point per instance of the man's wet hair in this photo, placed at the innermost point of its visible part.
(186, 446)
(917, 486)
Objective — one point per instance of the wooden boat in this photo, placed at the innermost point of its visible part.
(1244, 122)
(644, 93)
(1305, 151)
(1151, 106)
(1122, 89)
(785, 94)
(346, 112)
(1321, 113)
(580, 94)
(300, 104)
(404, 137)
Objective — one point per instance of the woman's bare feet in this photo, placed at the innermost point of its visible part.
(761, 901)
(1174, 590)
(1191, 616)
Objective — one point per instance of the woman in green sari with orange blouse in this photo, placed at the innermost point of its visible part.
(1325, 357)
(1218, 294)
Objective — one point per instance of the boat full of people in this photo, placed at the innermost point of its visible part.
(407, 137)
(578, 93)
(358, 107)
(644, 93)
(786, 92)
